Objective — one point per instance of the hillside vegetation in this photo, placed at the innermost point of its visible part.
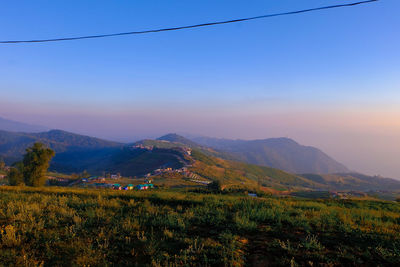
(71, 227)
(242, 174)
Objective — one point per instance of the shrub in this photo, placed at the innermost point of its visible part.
(15, 177)
(215, 186)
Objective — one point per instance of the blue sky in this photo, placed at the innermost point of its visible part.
(329, 79)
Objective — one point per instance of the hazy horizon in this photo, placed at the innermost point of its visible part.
(327, 79)
(354, 151)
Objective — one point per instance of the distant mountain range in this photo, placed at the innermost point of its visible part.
(280, 153)
(15, 126)
(72, 150)
(75, 153)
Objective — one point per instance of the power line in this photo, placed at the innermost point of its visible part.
(187, 27)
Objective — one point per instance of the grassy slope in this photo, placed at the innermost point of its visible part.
(65, 227)
(147, 161)
(239, 173)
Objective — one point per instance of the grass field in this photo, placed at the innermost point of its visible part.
(76, 227)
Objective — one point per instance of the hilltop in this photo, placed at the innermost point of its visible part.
(175, 138)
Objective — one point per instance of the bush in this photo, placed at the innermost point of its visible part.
(215, 186)
(15, 177)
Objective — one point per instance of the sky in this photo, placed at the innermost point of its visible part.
(329, 79)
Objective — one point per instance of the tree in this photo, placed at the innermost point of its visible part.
(36, 162)
(15, 176)
(214, 186)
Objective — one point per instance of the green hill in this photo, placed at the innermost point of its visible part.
(232, 173)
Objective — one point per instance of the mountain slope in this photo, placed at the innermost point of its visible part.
(13, 145)
(75, 153)
(15, 126)
(206, 165)
(127, 161)
(16, 143)
(242, 174)
(280, 153)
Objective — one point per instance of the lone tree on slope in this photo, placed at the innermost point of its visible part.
(36, 162)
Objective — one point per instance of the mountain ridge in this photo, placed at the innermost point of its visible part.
(16, 126)
(75, 153)
(282, 153)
